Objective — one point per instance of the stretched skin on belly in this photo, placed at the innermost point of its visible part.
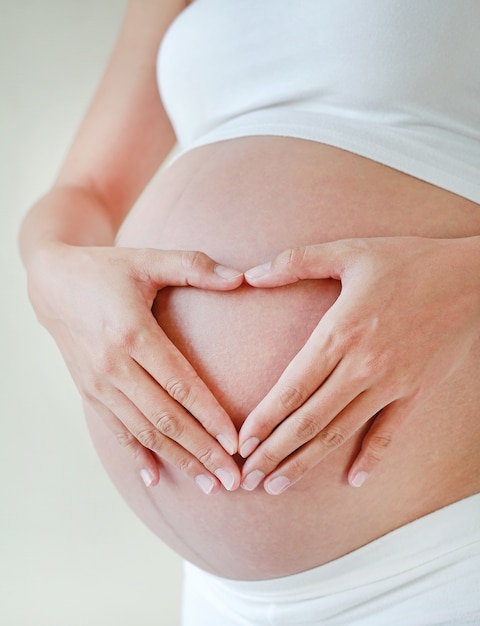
(242, 201)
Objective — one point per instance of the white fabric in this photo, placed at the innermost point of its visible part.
(397, 81)
(426, 573)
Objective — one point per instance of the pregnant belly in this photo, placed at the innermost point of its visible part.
(242, 201)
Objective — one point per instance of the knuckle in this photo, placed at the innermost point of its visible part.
(377, 446)
(185, 465)
(381, 441)
(129, 442)
(368, 371)
(193, 260)
(291, 397)
(306, 427)
(105, 364)
(270, 459)
(295, 256)
(179, 390)
(361, 376)
(348, 337)
(373, 364)
(332, 437)
(297, 467)
(167, 424)
(205, 456)
(148, 438)
(128, 339)
(123, 337)
(94, 387)
(293, 260)
(125, 438)
(111, 362)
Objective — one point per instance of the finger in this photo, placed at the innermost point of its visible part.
(154, 418)
(135, 433)
(336, 434)
(328, 260)
(323, 368)
(303, 376)
(308, 436)
(174, 373)
(184, 268)
(377, 442)
(144, 460)
(178, 426)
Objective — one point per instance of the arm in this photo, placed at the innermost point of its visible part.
(95, 299)
(406, 319)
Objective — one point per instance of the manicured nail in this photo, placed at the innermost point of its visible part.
(249, 446)
(226, 478)
(277, 485)
(359, 479)
(205, 483)
(226, 444)
(258, 271)
(146, 477)
(227, 273)
(252, 480)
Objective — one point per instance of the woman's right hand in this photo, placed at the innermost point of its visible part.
(96, 303)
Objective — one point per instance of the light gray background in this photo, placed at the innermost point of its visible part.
(71, 552)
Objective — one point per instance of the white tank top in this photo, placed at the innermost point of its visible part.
(396, 81)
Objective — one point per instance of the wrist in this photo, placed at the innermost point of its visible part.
(66, 216)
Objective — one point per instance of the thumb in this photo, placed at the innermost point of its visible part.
(327, 260)
(183, 268)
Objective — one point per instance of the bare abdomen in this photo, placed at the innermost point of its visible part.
(241, 202)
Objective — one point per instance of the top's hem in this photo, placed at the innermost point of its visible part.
(410, 150)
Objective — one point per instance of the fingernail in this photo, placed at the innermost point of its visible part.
(359, 479)
(226, 478)
(226, 444)
(249, 446)
(277, 485)
(146, 477)
(258, 271)
(252, 480)
(205, 483)
(227, 273)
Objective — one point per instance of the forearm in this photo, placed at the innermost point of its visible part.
(69, 215)
(122, 141)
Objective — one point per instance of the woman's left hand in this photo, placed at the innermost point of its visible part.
(406, 318)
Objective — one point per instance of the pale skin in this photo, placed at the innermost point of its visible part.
(67, 243)
(382, 347)
(406, 319)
